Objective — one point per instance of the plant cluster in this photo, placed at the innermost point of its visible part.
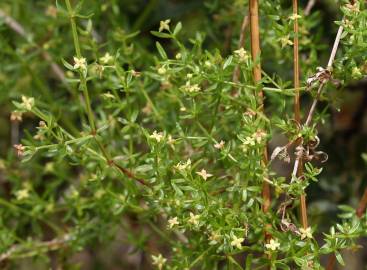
(171, 146)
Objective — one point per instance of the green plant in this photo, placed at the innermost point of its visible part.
(175, 142)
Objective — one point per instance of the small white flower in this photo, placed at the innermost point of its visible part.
(214, 238)
(80, 63)
(242, 54)
(171, 141)
(356, 73)
(159, 261)
(183, 166)
(194, 219)
(208, 64)
(285, 41)
(353, 7)
(295, 16)
(259, 135)
(162, 70)
(27, 102)
(108, 95)
(204, 174)
(20, 149)
(219, 145)
(22, 194)
(305, 233)
(237, 242)
(273, 244)
(249, 141)
(16, 116)
(158, 136)
(178, 56)
(106, 58)
(191, 88)
(172, 222)
(164, 25)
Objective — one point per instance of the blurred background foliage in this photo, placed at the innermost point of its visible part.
(25, 70)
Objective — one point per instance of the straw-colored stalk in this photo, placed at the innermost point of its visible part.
(255, 53)
(297, 114)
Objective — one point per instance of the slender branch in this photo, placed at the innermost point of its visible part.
(128, 173)
(296, 73)
(23, 251)
(319, 91)
(255, 53)
(309, 6)
(331, 262)
(362, 204)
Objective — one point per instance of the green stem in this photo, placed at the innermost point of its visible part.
(83, 82)
(74, 29)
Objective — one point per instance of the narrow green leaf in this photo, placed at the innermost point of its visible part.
(67, 65)
(177, 29)
(227, 62)
(160, 35)
(339, 258)
(161, 50)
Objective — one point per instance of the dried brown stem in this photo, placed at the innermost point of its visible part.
(24, 251)
(319, 91)
(309, 6)
(255, 43)
(128, 173)
(255, 53)
(362, 204)
(332, 258)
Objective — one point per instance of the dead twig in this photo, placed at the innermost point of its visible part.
(297, 109)
(309, 7)
(255, 53)
(23, 251)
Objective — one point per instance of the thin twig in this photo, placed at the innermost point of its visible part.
(297, 109)
(128, 173)
(23, 251)
(362, 204)
(309, 7)
(319, 91)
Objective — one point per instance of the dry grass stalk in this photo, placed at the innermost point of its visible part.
(255, 53)
(297, 114)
